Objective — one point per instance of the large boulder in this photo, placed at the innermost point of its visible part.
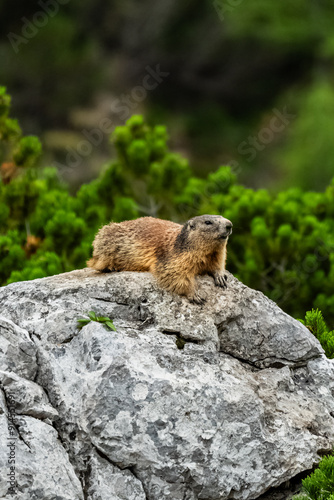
(182, 402)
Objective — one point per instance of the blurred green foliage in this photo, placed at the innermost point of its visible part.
(281, 244)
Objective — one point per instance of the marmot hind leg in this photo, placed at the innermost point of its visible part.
(182, 285)
(100, 264)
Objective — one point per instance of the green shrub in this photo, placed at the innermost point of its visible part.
(315, 322)
(320, 484)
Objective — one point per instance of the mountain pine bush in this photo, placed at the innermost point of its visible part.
(320, 484)
(315, 322)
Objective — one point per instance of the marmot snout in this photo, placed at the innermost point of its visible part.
(173, 253)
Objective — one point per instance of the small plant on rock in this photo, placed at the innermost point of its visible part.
(107, 322)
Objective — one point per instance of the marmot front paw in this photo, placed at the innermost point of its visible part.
(197, 298)
(220, 279)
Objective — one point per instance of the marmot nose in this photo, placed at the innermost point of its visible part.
(229, 226)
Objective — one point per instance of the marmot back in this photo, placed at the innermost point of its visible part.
(173, 253)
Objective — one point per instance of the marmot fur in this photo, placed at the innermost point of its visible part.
(173, 253)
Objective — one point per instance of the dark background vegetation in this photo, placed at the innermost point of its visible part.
(230, 63)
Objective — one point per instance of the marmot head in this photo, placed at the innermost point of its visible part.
(208, 230)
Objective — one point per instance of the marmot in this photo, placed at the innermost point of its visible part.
(173, 253)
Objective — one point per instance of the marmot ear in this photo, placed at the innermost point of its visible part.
(191, 224)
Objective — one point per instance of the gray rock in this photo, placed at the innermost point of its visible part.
(32, 456)
(28, 398)
(107, 482)
(183, 402)
(17, 350)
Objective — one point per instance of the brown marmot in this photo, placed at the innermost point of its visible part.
(173, 253)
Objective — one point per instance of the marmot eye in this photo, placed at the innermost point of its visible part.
(208, 222)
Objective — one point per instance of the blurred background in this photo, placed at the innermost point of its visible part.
(243, 83)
